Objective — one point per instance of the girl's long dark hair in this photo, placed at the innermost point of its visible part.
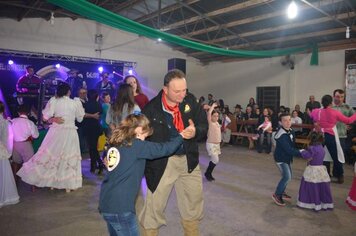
(124, 96)
(139, 89)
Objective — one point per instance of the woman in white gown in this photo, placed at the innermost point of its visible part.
(8, 190)
(57, 163)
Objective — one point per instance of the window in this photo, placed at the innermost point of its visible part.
(269, 97)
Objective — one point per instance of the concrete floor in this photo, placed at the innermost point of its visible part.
(237, 203)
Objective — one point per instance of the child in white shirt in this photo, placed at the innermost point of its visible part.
(24, 131)
(213, 141)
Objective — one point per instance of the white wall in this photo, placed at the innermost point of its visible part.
(236, 82)
(76, 38)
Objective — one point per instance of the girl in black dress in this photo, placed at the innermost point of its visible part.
(92, 129)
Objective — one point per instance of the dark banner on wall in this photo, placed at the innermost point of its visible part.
(11, 69)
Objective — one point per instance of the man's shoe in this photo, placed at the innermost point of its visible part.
(286, 197)
(278, 200)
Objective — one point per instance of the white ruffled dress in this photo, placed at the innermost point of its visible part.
(8, 190)
(57, 163)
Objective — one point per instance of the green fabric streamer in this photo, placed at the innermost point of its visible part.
(96, 13)
(314, 60)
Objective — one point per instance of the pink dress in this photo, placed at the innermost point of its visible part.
(351, 199)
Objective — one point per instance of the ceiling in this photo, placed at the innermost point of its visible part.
(230, 24)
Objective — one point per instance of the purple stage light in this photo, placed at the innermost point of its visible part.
(100, 69)
(10, 62)
(130, 72)
(58, 66)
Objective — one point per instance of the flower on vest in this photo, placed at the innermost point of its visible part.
(186, 108)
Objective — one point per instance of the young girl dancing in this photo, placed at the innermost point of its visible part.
(314, 191)
(213, 141)
(126, 160)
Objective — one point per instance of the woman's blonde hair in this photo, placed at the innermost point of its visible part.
(125, 132)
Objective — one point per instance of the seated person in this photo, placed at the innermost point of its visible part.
(296, 120)
(265, 130)
(248, 116)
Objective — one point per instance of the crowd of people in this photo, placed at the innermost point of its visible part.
(173, 114)
(327, 142)
(267, 120)
(159, 139)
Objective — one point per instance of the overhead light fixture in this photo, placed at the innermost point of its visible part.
(51, 20)
(10, 62)
(347, 32)
(159, 40)
(100, 69)
(292, 10)
(58, 66)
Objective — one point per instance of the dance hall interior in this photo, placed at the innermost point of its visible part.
(177, 117)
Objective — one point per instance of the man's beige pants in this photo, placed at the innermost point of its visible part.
(189, 190)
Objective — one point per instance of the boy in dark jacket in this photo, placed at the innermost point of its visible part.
(283, 156)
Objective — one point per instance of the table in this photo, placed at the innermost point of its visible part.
(244, 131)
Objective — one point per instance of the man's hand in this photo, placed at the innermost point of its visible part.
(189, 132)
(96, 115)
(105, 162)
(58, 120)
(206, 107)
(112, 127)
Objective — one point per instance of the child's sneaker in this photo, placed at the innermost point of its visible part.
(286, 197)
(278, 200)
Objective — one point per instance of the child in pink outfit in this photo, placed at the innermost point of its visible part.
(265, 131)
(265, 125)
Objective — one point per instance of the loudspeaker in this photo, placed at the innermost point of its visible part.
(176, 63)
